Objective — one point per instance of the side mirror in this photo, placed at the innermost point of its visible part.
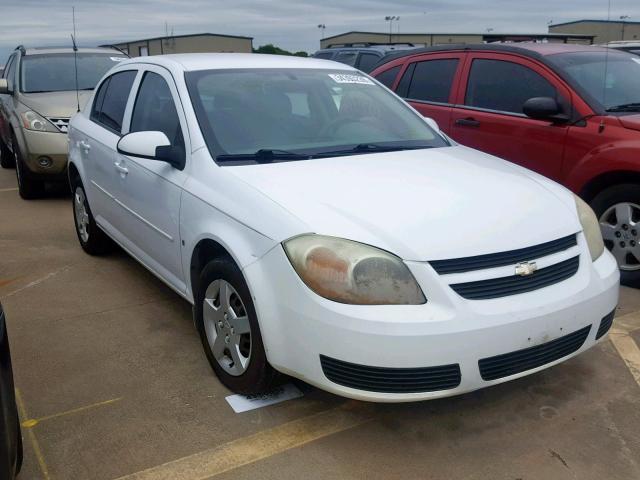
(152, 146)
(544, 108)
(4, 88)
(432, 123)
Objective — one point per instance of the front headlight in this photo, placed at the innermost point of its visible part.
(350, 272)
(590, 228)
(32, 121)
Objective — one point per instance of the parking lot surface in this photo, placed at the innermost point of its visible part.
(113, 383)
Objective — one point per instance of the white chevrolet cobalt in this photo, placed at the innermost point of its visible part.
(325, 230)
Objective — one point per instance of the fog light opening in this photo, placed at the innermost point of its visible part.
(45, 162)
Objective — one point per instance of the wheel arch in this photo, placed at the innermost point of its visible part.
(206, 249)
(607, 179)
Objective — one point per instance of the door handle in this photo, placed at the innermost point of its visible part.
(84, 146)
(123, 170)
(467, 122)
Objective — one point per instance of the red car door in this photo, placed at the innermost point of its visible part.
(488, 113)
(429, 82)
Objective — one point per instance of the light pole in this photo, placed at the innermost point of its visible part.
(623, 18)
(390, 19)
(322, 26)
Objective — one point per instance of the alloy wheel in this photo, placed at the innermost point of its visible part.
(226, 324)
(81, 214)
(620, 225)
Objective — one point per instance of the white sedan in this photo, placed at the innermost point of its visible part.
(323, 229)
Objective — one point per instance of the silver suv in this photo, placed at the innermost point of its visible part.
(37, 99)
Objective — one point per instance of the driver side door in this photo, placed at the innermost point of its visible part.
(150, 190)
(488, 112)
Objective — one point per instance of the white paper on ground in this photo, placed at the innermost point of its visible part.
(244, 403)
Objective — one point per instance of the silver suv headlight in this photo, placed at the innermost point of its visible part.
(590, 228)
(350, 272)
(33, 121)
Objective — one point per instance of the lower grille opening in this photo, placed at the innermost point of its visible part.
(391, 380)
(605, 325)
(519, 361)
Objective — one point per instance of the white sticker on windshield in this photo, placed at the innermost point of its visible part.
(637, 60)
(117, 59)
(350, 78)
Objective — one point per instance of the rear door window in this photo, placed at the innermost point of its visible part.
(108, 109)
(432, 80)
(367, 61)
(348, 58)
(388, 76)
(504, 86)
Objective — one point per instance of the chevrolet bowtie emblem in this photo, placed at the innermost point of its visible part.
(526, 268)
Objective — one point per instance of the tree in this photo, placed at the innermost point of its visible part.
(273, 50)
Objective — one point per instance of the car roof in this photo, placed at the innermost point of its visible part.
(54, 50)
(221, 61)
(531, 49)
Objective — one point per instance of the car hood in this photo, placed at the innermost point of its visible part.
(55, 104)
(630, 121)
(422, 204)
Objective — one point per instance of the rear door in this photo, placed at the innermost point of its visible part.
(489, 116)
(97, 145)
(429, 84)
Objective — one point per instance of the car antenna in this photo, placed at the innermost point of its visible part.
(606, 65)
(75, 55)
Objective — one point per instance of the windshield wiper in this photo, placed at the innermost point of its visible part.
(372, 148)
(625, 107)
(264, 155)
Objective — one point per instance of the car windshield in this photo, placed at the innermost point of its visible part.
(302, 113)
(610, 78)
(56, 72)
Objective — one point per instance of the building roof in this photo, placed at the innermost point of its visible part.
(206, 34)
(592, 21)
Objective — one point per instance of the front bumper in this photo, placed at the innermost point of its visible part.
(45, 144)
(298, 326)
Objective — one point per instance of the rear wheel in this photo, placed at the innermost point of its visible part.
(29, 186)
(91, 237)
(618, 210)
(229, 330)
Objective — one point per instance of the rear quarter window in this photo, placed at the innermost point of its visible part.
(388, 76)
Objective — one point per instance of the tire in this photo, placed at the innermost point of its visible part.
(30, 186)
(91, 237)
(20, 449)
(257, 376)
(622, 237)
(6, 158)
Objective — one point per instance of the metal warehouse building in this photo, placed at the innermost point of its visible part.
(603, 30)
(196, 43)
(429, 39)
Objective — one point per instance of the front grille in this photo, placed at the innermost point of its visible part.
(519, 361)
(391, 380)
(605, 325)
(61, 124)
(504, 286)
(491, 260)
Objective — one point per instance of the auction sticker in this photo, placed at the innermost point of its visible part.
(243, 403)
(350, 78)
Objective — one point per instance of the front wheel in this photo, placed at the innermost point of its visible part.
(29, 185)
(229, 331)
(618, 210)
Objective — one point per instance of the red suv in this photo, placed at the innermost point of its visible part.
(569, 112)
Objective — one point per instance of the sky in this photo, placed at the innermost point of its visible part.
(289, 24)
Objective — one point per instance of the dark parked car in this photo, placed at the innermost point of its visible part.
(362, 56)
(548, 107)
(10, 435)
